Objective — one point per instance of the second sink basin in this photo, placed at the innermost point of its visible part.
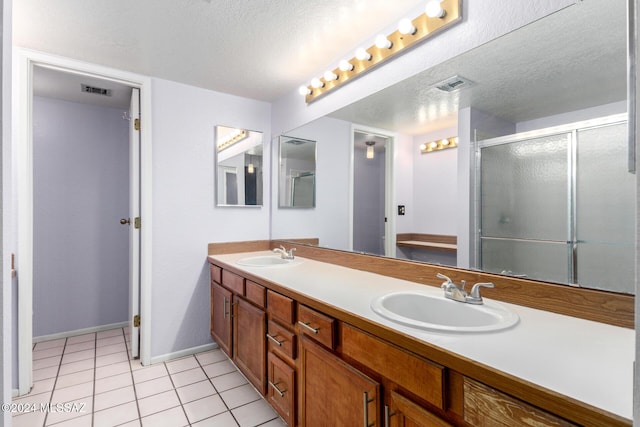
(264, 261)
(426, 311)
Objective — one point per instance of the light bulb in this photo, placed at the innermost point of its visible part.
(345, 65)
(434, 10)
(330, 76)
(444, 142)
(362, 54)
(370, 152)
(316, 83)
(423, 147)
(433, 145)
(406, 26)
(250, 168)
(304, 90)
(383, 43)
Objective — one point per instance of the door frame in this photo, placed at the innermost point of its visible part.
(22, 100)
(390, 185)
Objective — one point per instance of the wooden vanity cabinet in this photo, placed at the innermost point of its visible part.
(316, 370)
(239, 323)
(333, 393)
(249, 344)
(221, 325)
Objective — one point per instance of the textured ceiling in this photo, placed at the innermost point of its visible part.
(256, 49)
(571, 60)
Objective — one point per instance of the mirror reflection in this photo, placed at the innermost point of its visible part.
(239, 171)
(297, 173)
(567, 68)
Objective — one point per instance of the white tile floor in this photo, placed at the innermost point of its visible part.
(102, 387)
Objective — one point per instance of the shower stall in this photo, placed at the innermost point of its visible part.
(558, 205)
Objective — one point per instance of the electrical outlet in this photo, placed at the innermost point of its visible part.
(400, 209)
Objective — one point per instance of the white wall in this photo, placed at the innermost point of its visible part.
(329, 220)
(8, 371)
(81, 190)
(404, 154)
(435, 186)
(185, 218)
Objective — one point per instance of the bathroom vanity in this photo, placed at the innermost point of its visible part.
(305, 335)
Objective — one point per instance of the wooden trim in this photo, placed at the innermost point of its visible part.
(561, 405)
(430, 238)
(235, 247)
(436, 242)
(256, 245)
(590, 304)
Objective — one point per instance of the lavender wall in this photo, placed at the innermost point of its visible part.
(81, 190)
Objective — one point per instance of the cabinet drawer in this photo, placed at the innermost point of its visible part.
(233, 282)
(280, 307)
(216, 273)
(281, 340)
(413, 373)
(281, 394)
(318, 326)
(255, 293)
(484, 407)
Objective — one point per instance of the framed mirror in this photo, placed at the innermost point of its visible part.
(503, 91)
(239, 163)
(297, 173)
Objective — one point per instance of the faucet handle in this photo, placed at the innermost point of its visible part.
(442, 276)
(474, 296)
(291, 251)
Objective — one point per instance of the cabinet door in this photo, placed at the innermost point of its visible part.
(221, 317)
(403, 412)
(334, 393)
(250, 345)
(282, 388)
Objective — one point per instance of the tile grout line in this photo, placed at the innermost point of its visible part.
(46, 415)
(216, 389)
(175, 390)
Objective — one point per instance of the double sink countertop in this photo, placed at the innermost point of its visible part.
(588, 361)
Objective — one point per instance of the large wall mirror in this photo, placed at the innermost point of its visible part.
(569, 67)
(296, 173)
(239, 167)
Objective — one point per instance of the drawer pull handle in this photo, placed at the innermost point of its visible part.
(275, 341)
(226, 302)
(276, 389)
(306, 325)
(366, 401)
(387, 416)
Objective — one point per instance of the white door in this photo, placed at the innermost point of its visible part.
(134, 223)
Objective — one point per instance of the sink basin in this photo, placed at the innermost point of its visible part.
(426, 311)
(265, 261)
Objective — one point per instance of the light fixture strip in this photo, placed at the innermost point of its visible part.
(236, 136)
(441, 144)
(425, 28)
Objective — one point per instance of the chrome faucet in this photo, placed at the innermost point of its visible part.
(283, 252)
(457, 293)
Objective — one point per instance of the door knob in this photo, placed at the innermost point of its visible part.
(125, 221)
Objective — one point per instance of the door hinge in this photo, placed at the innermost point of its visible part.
(136, 124)
(137, 222)
(136, 321)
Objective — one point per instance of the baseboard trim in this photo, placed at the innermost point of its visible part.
(183, 353)
(79, 332)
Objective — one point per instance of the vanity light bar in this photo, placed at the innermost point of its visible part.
(387, 47)
(235, 136)
(442, 144)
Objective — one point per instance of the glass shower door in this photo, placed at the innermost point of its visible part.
(524, 193)
(605, 209)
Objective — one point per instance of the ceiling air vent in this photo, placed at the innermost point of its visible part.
(96, 90)
(454, 84)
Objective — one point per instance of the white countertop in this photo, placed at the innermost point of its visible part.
(589, 361)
